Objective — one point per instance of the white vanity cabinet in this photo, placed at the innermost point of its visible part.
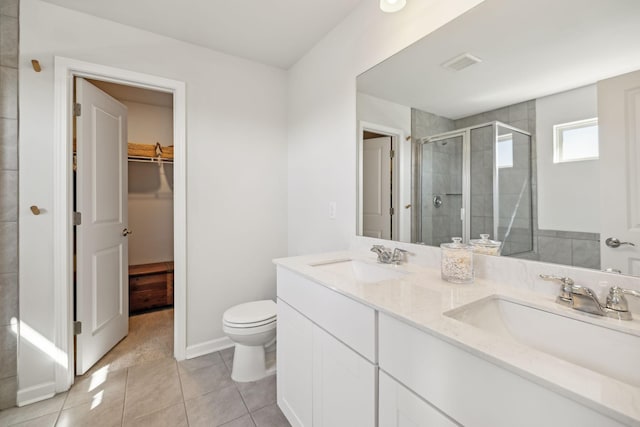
(326, 356)
(399, 407)
(470, 390)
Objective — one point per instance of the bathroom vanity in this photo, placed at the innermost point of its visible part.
(366, 344)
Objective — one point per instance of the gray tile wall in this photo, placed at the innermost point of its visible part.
(8, 199)
(560, 247)
(426, 219)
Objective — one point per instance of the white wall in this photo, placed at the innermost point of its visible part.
(322, 115)
(566, 188)
(150, 203)
(236, 168)
(389, 114)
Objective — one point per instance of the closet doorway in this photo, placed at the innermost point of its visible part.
(124, 234)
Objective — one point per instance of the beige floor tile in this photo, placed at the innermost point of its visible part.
(245, 421)
(88, 414)
(270, 416)
(150, 338)
(44, 421)
(227, 356)
(196, 363)
(152, 387)
(30, 412)
(203, 380)
(258, 394)
(108, 387)
(141, 375)
(215, 408)
(173, 416)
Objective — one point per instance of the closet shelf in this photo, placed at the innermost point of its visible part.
(149, 152)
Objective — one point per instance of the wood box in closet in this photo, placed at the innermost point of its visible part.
(150, 286)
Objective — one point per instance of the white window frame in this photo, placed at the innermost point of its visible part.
(558, 142)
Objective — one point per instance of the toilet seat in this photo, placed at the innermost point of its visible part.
(250, 315)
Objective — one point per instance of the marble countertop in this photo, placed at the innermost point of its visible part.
(421, 298)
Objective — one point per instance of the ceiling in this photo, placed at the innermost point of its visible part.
(273, 32)
(135, 94)
(528, 49)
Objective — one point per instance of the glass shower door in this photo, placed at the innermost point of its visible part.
(441, 189)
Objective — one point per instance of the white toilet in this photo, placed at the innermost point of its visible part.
(252, 327)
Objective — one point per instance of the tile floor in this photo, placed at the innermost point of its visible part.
(139, 384)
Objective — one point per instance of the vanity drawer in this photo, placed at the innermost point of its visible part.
(471, 390)
(351, 322)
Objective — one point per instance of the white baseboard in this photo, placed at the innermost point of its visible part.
(36, 393)
(208, 347)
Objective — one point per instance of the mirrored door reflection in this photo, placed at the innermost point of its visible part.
(441, 189)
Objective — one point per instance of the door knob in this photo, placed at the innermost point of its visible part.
(126, 232)
(613, 242)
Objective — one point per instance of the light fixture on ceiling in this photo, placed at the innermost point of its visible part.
(392, 5)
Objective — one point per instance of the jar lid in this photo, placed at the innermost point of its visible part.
(456, 244)
(485, 242)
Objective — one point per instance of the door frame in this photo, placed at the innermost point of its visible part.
(401, 220)
(65, 69)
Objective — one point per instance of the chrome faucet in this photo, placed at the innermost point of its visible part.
(584, 299)
(388, 256)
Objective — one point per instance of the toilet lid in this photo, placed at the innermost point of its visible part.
(251, 312)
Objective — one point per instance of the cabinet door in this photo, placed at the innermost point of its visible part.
(295, 365)
(399, 407)
(344, 386)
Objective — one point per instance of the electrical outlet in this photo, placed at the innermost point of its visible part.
(332, 210)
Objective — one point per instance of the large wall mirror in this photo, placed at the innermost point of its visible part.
(519, 119)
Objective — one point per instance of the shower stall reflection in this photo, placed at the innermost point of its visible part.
(476, 181)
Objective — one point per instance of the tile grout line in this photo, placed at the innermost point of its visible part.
(124, 398)
(184, 403)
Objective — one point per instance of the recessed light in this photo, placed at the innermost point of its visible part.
(392, 5)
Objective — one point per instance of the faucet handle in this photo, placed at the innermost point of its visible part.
(567, 286)
(567, 281)
(617, 301)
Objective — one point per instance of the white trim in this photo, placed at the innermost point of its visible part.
(36, 393)
(65, 70)
(208, 347)
(401, 228)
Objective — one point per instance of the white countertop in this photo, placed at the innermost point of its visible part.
(421, 298)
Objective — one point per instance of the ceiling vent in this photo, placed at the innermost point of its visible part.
(461, 61)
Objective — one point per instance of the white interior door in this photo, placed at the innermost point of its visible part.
(619, 135)
(376, 187)
(102, 300)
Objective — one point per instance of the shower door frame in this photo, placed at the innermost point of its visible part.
(466, 172)
(465, 215)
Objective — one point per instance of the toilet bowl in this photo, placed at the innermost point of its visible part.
(252, 327)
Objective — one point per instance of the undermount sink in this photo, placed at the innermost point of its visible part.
(601, 349)
(361, 271)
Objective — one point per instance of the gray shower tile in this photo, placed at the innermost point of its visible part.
(9, 8)
(8, 390)
(8, 144)
(9, 247)
(8, 196)
(8, 92)
(518, 112)
(586, 253)
(8, 298)
(555, 250)
(8, 41)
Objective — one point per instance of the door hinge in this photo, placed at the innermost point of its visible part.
(77, 327)
(391, 211)
(392, 153)
(77, 109)
(77, 218)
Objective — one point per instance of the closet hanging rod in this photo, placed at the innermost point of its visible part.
(140, 159)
